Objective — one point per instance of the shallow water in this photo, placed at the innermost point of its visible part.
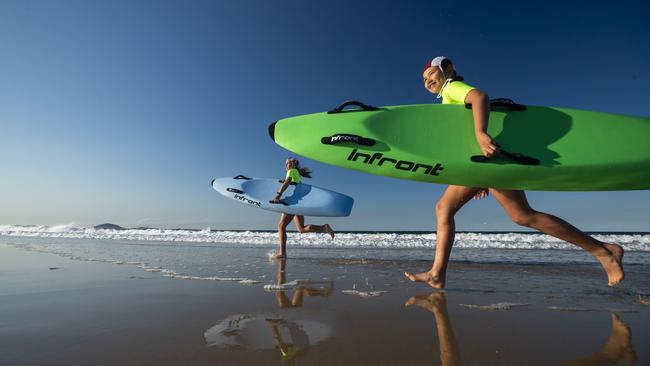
(250, 264)
(102, 304)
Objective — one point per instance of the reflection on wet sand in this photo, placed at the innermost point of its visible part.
(618, 347)
(298, 340)
(302, 289)
(291, 347)
(436, 303)
(291, 332)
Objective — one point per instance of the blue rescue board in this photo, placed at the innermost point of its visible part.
(297, 199)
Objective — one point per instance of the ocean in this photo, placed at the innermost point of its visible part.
(207, 254)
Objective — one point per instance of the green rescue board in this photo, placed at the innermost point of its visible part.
(555, 149)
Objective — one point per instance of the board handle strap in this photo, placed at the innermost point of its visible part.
(290, 183)
(362, 106)
(516, 157)
(279, 203)
(502, 103)
(344, 137)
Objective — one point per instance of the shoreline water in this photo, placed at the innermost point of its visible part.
(213, 261)
(102, 313)
(185, 253)
(192, 297)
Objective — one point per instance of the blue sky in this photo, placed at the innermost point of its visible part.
(124, 111)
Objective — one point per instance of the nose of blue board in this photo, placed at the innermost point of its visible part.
(272, 130)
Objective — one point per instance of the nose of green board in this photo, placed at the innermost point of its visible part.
(272, 130)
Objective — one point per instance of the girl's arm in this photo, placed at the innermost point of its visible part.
(284, 186)
(481, 110)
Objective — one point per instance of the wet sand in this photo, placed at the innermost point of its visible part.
(58, 311)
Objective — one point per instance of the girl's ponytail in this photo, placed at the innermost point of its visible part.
(305, 172)
(454, 77)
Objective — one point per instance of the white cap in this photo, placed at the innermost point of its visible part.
(436, 62)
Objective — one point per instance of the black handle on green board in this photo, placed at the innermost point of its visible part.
(502, 103)
(519, 158)
(364, 107)
(344, 137)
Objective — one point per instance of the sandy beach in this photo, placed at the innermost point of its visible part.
(59, 311)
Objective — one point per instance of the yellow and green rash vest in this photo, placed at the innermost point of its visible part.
(294, 174)
(455, 92)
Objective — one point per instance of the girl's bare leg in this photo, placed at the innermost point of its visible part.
(451, 201)
(516, 205)
(285, 219)
(299, 221)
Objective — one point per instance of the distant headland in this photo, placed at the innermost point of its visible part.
(108, 226)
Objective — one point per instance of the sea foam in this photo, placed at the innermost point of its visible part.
(483, 240)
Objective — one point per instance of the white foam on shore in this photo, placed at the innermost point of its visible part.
(364, 293)
(173, 274)
(249, 282)
(169, 273)
(631, 242)
(497, 306)
(285, 286)
(325, 282)
(564, 308)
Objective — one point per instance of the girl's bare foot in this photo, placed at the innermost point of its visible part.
(430, 279)
(613, 263)
(328, 229)
(278, 256)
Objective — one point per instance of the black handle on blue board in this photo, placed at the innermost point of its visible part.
(241, 177)
(235, 190)
(363, 106)
(290, 183)
(279, 202)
